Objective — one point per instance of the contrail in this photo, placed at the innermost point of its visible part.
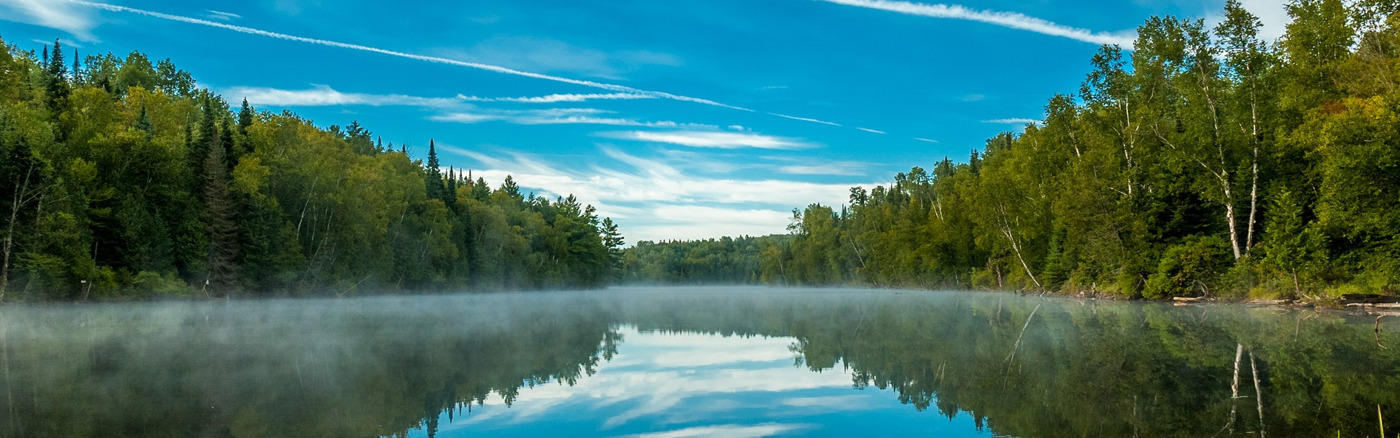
(474, 65)
(433, 59)
(805, 119)
(1012, 20)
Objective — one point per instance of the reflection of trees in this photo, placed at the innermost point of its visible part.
(380, 367)
(1082, 368)
(370, 368)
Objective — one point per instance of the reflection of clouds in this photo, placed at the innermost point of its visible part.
(842, 402)
(655, 372)
(728, 431)
(683, 350)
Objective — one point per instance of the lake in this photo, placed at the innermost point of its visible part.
(694, 361)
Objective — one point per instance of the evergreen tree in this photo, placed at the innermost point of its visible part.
(434, 183)
(221, 278)
(56, 84)
(245, 117)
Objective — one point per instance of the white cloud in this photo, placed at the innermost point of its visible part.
(455, 109)
(1012, 20)
(874, 131)
(726, 430)
(815, 166)
(221, 15)
(555, 98)
(805, 119)
(65, 42)
(835, 402)
(655, 199)
(820, 169)
(926, 140)
(557, 116)
(667, 350)
(48, 13)
(363, 48)
(657, 392)
(550, 55)
(322, 95)
(1013, 121)
(718, 140)
(1273, 16)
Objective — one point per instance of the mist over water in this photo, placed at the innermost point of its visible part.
(699, 361)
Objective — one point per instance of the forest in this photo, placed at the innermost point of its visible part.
(1205, 161)
(121, 178)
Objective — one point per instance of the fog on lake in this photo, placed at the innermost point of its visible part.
(713, 361)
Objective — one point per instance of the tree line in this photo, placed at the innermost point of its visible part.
(121, 178)
(1206, 161)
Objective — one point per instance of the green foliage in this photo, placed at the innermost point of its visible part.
(712, 261)
(125, 181)
(1217, 164)
(1294, 247)
(1189, 269)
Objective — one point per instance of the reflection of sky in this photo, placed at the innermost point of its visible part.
(675, 385)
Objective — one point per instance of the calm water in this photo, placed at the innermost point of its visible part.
(681, 362)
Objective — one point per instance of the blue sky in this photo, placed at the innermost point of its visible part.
(680, 119)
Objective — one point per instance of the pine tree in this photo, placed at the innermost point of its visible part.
(231, 153)
(143, 123)
(245, 118)
(77, 68)
(433, 180)
(56, 81)
(219, 220)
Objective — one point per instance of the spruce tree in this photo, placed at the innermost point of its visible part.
(433, 180)
(219, 220)
(56, 82)
(143, 123)
(245, 118)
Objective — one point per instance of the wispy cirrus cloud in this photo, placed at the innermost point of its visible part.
(57, 23)
(805, 119)
(873, 131)
(457, 110)
(66, 43)
(58, 15)
(323, 95)
(656, 198)
(1013, 20)
(705, 139)
(1013, 121)
(727, 430)
(556, 98)
(926, 140)
(555, 116)
(221, 15)
(804, 165)
(550, 55)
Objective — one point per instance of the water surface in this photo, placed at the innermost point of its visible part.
(675, 362)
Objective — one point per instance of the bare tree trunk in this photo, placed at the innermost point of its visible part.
(1253, 201)
(1015, 246)
(1223, 176)
(857, 250)
(1230, 219)
(21, 193)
